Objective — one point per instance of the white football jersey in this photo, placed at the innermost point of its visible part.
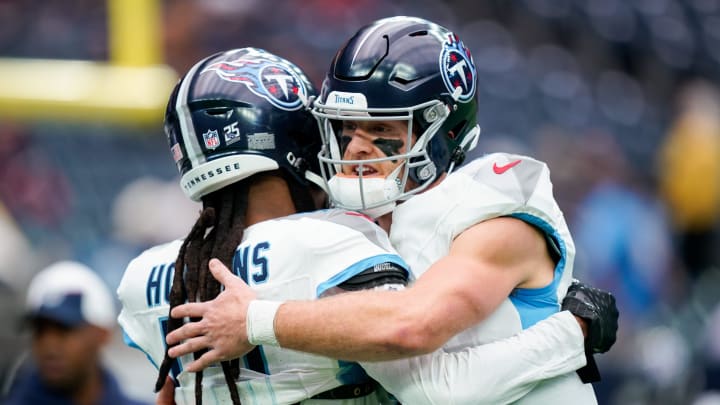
(422, 231)
(299, 257)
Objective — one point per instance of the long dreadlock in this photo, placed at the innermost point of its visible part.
(216, 233)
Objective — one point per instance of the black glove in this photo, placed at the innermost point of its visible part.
(598, 309)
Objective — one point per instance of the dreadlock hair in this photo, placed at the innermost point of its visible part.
(217, 233)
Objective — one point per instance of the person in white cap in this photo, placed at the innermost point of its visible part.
(71, 314)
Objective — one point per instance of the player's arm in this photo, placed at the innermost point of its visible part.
(494, 373)
(504, 371)
(512, 366)
(485, 263)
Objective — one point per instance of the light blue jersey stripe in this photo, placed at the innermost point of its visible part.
(535, 304)
(131, 343)
(358, 268)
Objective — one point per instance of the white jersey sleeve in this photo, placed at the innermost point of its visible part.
(143, 292)
(494, 373)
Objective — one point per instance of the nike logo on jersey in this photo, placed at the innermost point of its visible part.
(502, 169)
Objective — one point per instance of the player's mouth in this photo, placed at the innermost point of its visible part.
(364, 171)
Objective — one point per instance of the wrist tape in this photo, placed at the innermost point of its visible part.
(260, 322)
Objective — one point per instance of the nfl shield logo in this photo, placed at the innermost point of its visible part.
(212, 139)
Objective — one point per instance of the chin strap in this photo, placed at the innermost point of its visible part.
(468, 143)
(317, 180)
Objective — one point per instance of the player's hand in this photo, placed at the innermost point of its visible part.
(598, 308)
(166, 396)
(222, 329)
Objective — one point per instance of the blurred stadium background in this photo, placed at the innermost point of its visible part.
(620, 97)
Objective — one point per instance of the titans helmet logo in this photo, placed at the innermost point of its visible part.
(266, 77)
(458, 69)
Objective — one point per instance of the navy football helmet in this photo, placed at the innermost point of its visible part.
(399, 68)
(241, 112)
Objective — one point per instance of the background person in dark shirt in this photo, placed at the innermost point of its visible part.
(71, 315)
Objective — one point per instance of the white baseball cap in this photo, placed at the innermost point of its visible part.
(72, 294)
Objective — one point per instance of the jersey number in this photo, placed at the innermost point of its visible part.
(246, 265)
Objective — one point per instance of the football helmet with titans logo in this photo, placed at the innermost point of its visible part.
(399, 69)
(241, 112)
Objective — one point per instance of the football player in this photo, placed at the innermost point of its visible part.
(246, 146)
(487, 243)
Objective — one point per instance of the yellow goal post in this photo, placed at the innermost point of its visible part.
(131, 88)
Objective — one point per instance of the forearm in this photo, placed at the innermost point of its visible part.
(494, 373)
(363, 325)
(385, 325)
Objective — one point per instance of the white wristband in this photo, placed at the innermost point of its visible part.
(260, 322)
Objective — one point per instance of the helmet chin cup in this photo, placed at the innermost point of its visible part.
(374, 196)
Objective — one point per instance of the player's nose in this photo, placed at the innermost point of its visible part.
(358, 146)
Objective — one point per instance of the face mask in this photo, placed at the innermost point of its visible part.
(346, 193)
